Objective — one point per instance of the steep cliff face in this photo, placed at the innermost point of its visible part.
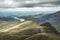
(54, 19)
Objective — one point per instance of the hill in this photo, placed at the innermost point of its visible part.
(53, 18)
(30, 30)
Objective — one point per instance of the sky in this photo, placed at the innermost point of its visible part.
(43, 5)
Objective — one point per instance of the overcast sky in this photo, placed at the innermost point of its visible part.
(46, 4)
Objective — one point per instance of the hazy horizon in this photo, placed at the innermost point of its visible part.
(23, 13)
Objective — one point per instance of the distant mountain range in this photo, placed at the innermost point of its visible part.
(22, 13)
(28, 17)
(54, 19)
(6, 18)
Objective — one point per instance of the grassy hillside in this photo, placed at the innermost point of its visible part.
(58, 27)
(28, 30)
(7, 24)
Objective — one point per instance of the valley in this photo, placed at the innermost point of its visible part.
(31, 27)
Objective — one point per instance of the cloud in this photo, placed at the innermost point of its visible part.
(32, 9)
(1, 0)
(28, 3)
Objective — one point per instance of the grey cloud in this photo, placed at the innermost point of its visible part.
(40, 3)
(1, 0)
(46, 4)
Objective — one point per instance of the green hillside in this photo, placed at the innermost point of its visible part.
(28, 30)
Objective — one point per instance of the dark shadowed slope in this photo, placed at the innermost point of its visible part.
(50, 27)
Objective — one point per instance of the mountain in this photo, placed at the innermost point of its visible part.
(6, 18)
(28, 17)
(53, 18)
(22, 13)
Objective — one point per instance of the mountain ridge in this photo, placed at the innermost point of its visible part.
(54, 19)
